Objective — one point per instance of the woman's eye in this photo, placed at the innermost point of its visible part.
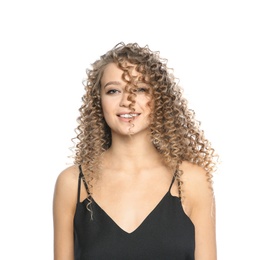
(112, 91)
(145, 90)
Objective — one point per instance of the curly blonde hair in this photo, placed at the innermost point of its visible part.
(175, 132)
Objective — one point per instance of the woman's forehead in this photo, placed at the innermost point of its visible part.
(113, 72)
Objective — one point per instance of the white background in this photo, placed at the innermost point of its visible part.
(218, 50)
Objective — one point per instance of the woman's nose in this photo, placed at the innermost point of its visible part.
(125, 102)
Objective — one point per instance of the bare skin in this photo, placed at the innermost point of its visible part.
(135, 185)
(133, 168)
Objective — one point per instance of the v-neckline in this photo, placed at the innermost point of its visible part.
(143, 222)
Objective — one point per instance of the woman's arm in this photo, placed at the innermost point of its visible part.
(200, 206)
(64, 204)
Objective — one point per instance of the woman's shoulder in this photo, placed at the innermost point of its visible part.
(196, 184)
(68, 175)
(193, 172)
(66, 184)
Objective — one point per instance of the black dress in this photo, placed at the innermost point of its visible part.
(167, 233)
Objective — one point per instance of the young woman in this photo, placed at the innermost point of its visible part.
(141, 183)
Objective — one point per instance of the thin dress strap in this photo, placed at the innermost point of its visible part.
(173, 179)
(81, 176)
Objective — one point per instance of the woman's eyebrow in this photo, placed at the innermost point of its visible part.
(112, 83)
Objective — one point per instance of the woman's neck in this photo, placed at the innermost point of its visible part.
(132, 151)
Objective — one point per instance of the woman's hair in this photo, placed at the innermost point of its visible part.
(175, 132)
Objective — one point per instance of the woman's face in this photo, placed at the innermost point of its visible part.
(115, 104)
